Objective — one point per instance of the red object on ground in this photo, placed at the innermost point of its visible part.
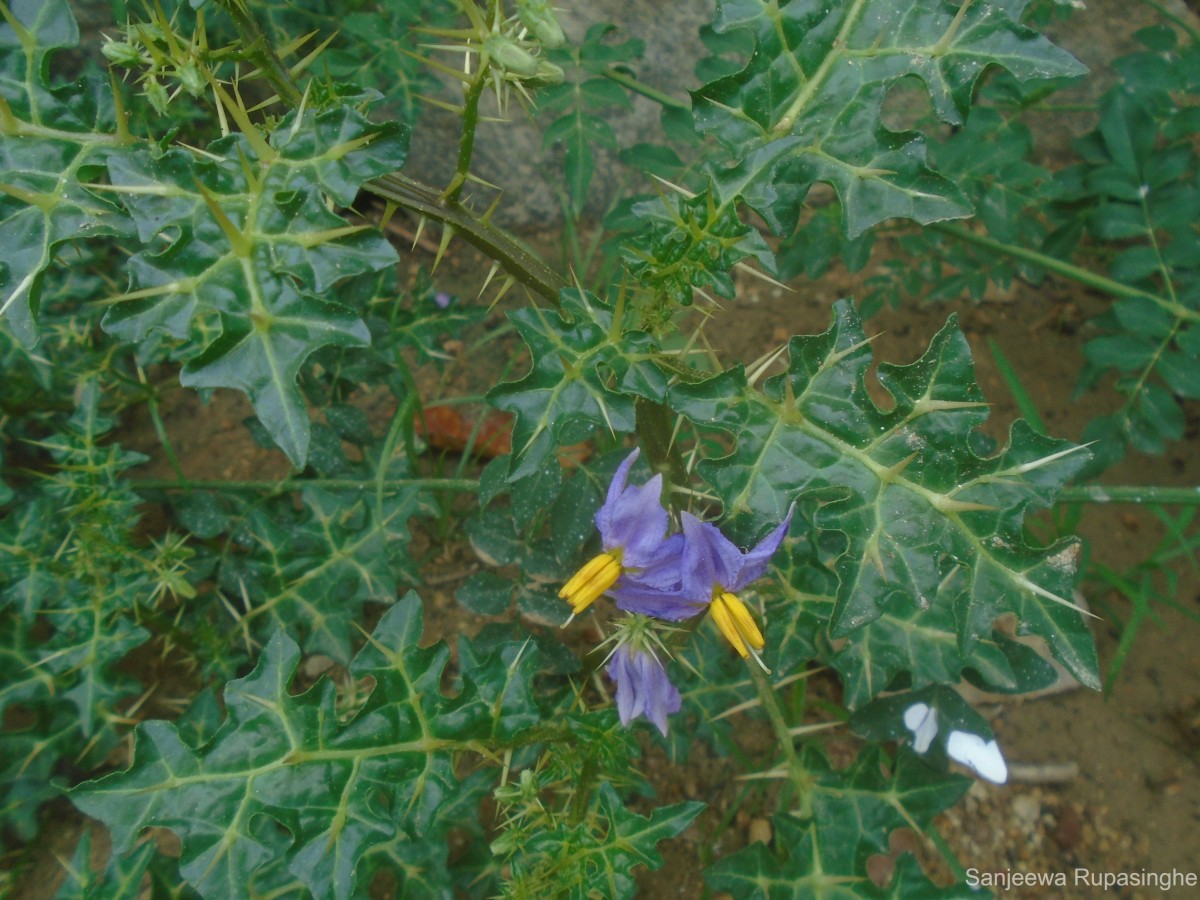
(444, 428)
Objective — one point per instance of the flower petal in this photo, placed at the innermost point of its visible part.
(621, 672)
(661, 569)
(672, 605)
(643, 687)
(754, 563)
(632, 518)
(709, 559)
(660, 697)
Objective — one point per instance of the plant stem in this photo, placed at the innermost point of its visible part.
(295, 484)
(800, 778)
(519, 261)
(656, 428)
(160, 428)
(466, 143)
(1131, 493)
(258, 50)
(639, 87)
(1066, 269)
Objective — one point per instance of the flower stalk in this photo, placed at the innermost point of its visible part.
(799, 776)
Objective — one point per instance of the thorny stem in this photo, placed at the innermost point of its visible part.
(800, 778)
(520, 262)
(261, 53)
(466, 143)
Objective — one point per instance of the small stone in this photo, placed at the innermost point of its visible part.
(1026, 810)
(760, 831)
(880, 868)
(316, 665)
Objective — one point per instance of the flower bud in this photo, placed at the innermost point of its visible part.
(120, 53)
(510, 56)
(191, 79)
(539, 18)
(157, 95)
(547, 75)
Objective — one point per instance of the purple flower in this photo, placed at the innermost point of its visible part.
(633, 531)
(713, 569)
(643, 688)
(442, 299)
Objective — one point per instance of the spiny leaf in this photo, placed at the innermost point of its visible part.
(689, 243)
(923, 523)
(312, 574)
(808, 105)
(329, 785)
(854, 812)
(265, 359)
(251, 252)
(582, 377)
(56, 138)
(597, 856)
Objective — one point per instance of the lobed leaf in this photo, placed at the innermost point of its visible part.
(584, 374)
(250, 254)
(808, 105)
(927, 534)
(854, 812)
(297, 779)
(55, 139)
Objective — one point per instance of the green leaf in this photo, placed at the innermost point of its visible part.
(485, 594)
(311, 573)
(251, 252)
(582, 376)
(688, 244)
(573, 516)
(56, 141)
(264, 362)
(858, 807)
(296, 778)
(854, 812)
(535, 492)
(711, 681)
(597, 858)
(808, 105)
(498, 541)
(120, 879)
(930, 534)
(391, 68)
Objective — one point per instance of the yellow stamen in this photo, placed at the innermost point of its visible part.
(736, 623)
(596, 577)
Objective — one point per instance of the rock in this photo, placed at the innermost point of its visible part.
(760, 831)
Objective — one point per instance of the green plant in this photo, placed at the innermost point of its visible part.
(212, 206)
